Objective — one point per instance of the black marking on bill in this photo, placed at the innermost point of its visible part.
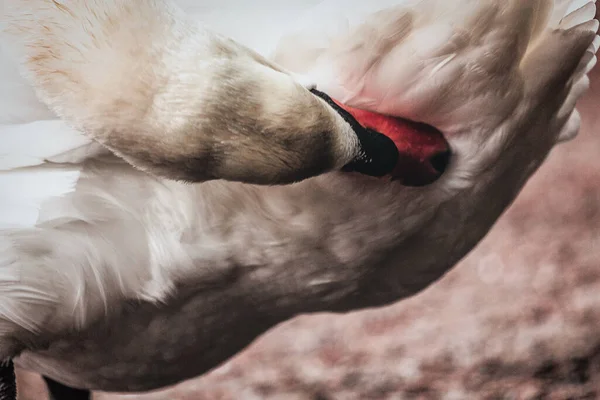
(378, 154)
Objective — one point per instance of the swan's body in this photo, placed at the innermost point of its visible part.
(112, 279)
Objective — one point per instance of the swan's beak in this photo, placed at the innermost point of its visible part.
(412, 153)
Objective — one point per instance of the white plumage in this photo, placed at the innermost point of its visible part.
(161, 281)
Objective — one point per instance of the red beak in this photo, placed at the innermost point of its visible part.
(424, 153)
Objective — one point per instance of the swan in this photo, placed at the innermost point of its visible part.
(116, 279)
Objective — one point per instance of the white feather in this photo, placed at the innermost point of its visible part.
(39, 142)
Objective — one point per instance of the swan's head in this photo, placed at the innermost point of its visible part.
(423, 152)
(278, 130)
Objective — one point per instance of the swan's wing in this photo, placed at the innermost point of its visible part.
(39, 161)
(427, 60)
(41, 158)
(41, 142)
(563, 8)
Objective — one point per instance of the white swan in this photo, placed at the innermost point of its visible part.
(112, 279)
